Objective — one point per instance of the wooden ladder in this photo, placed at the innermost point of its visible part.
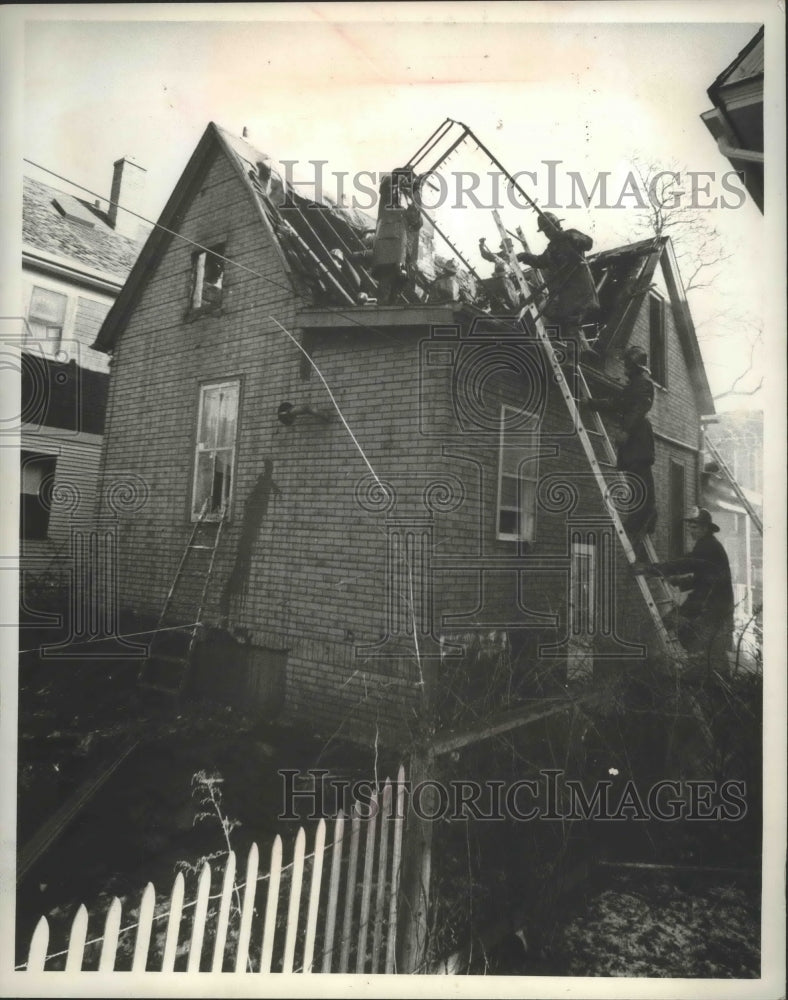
(530, 313)
(167, 665)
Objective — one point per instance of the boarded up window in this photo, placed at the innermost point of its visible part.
(518, 472)
(215, 452)
(677, 509)
(46, 316)
(37, 473)
(658, 359)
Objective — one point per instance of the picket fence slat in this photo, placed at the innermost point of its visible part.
(173, 925)
(396, 861)
(333, 893)
(366, 892)
(314, 895)
(271, 905)
(248, 910)
(350, 890)
(376, 919)
(142, 944)
(200, 913)
(109, 945)
(380, 896)
(76, 940)
(37, 953)
(223, 918)
(293, 909)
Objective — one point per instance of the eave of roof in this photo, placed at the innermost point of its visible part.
(161, 235)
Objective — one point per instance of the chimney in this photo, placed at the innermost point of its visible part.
(128, 182)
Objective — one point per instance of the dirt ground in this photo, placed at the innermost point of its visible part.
(76, 715)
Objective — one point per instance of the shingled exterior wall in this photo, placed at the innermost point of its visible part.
(321, 572)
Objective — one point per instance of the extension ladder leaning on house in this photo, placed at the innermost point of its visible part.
(166, 667)
(659, 600)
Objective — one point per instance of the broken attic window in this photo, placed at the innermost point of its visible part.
(207, 277)
(518, 472)
(215, 451)
(658, 361)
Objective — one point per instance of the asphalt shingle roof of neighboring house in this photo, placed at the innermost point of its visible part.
(81, 234)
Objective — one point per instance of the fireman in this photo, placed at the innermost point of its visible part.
(705, 619)
(572, 293)
(634, 438)
(395, 248)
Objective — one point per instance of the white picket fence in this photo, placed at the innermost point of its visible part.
(341, 923)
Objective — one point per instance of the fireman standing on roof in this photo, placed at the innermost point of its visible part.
(635, 438)
(571, 290)
(395, 248)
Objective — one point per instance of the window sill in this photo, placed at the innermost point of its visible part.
(193, 313)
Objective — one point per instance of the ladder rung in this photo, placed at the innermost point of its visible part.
(208, 547)
(166, 658)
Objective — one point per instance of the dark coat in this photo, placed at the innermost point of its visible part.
(710, 589)
(572, 292)
(629, 408)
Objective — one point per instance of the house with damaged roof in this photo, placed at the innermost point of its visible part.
(76, 254)
(370, 489)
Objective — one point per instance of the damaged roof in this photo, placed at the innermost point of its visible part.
(623, 277)
(60, 225)
(308, 232)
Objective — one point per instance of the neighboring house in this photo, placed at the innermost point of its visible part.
(738, 438)
(736, 120)
(335, 599)
(75, 258)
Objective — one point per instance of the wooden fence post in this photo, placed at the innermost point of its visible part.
(416, 869)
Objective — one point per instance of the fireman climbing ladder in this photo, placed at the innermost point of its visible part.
(531, 314)
(166, 667)
(445, 141)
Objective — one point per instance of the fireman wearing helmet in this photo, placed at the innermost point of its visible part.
(571, 290)
(635, 437)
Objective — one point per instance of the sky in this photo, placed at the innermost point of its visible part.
(536, 82)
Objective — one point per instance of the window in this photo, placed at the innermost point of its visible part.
(658, 361)
(518, 469)
(207, 277)
(677, 508)
(37, 478)
(582, 609)
(46, 316)
(215, 452)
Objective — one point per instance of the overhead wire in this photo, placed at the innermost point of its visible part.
(257, 274)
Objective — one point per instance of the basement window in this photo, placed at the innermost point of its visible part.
(37, 477)
(207, 279)
(518, 471)
(46, 316)
(214, 458)
(658, 354)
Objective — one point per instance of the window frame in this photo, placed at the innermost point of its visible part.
(200, 258)
(582, 622)
(523, 534)
(658, 339)
(53, 343)
(676, 509)
(199, 449)
(49, 473)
